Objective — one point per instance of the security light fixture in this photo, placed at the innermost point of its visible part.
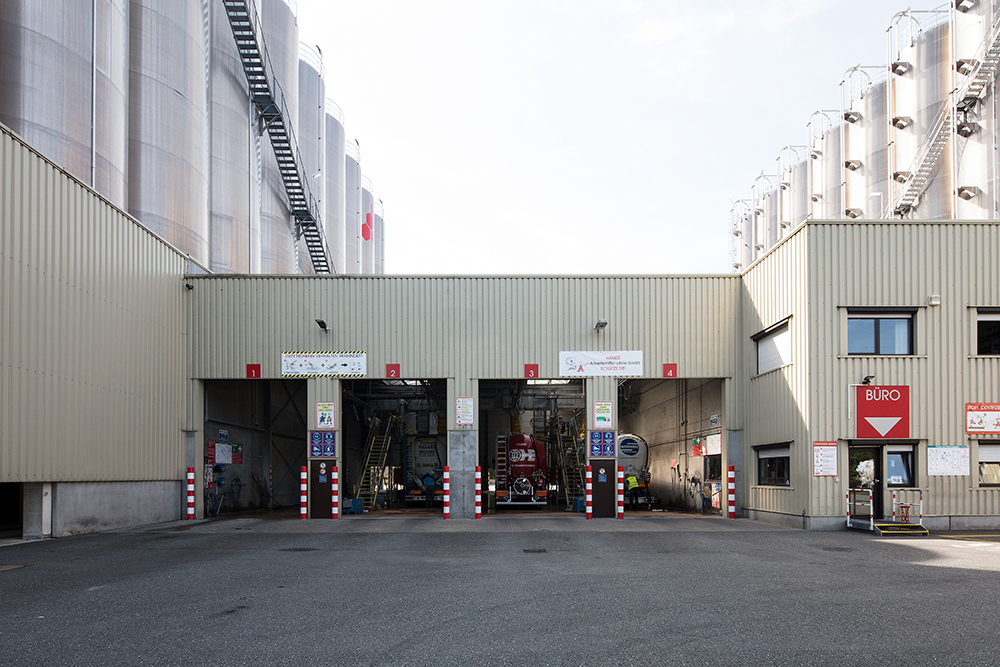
(322, 325)
(868, 379)
(601, 324)
(189, 285)
(934, 300)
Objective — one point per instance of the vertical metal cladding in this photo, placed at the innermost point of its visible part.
(367, 227)
(379, 238)
(352, 225)
(278, 245)
(168, 184)
(63, 85)
(336, 186)
(234, 212)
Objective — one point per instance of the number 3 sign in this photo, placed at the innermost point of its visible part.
(531, 371)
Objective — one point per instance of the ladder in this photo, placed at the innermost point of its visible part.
(373, 468)
(963, 98)
(269, 102)
(502, 467)
(572, 469)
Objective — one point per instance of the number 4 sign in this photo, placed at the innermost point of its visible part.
(669, 370)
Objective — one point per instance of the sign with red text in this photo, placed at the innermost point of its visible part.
(825, 459)
(982, 418)
(883, 412)
(617, 363)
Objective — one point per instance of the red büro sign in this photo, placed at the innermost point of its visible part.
(883, 412)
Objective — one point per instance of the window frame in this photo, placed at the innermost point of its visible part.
(908, 456)
(877, 315)
(782, 327)
(992, 459)
(987, 315)
(774, 451)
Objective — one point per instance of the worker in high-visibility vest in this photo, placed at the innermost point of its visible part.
(633, 492)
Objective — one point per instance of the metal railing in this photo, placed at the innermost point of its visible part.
(854, 502)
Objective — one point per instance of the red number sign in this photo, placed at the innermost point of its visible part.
(392, 370)
(531, 371)
(253, 370)
(669, 370)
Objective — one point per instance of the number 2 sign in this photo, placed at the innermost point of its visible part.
(392, 370)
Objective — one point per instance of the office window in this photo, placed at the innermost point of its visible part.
(988, 330)
(713, 467)
(882, 333)
(899, 465)
(772, 465)
(989, 464)
(774, 348)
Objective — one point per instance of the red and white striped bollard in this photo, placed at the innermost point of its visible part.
(732, 492)
(335, 478)
(590, 492)
(447, 492)
(479, 492)
(303, 498)
(190, 493)
(621, 492)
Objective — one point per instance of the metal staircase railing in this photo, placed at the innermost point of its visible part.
(373, 468)
(572, 468)
(269, 101)
(962, 98)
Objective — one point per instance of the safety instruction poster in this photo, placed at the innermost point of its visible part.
(324, 364)
(982, 418)
(825, 459)
(324, 416)
(616, 363)
(948, 460)
(604, 414)
(464, 412)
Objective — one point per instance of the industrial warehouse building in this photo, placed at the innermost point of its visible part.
(123, 362)
(156, 315)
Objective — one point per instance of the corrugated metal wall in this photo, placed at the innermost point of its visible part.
(92, 326)
(814, 277)
(483, 327)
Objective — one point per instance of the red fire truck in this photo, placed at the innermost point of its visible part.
(521, 466)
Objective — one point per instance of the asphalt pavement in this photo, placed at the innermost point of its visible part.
(525, 589)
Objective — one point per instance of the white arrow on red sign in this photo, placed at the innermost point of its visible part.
(883, 411)
(882, 424)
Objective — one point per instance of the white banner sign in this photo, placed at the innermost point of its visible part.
(944, 460)
(600, 363)
(312, 364)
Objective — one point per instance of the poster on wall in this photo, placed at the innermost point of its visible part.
(948, 460)
(982, 418)
(604, 414)
(591, 364)
(324, 364)
(464, 413)
(324, 416)
(825, 459)
(713, 444)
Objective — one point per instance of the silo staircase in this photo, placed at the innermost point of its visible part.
(269, 102)
(964, 98)
(373, 467)
(572, 468)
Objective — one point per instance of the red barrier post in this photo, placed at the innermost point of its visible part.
(590, 492)
(732, 492)
(621, 492)
(447, 492)
(303, 498)
(335, 477)
(479, 492)
(190, 493)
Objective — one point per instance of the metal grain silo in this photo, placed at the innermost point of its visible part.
(168, 142)
(741, 233)
(234, 207)
(765, 214)
(379, 238)
(972, 35)
(793, 188)
(334, 213)
(281, 38)
(863, 104)
(352, 226)
(310, 129)
(825, 166)
(63, 86)
(367, 227)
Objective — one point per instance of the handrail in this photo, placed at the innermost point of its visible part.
(905, 518)
(871, 506)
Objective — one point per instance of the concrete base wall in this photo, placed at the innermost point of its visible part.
(973, 522)
(86, 507)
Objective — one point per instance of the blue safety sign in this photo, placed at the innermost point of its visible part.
(602, 478)
(595, 449)
(315, 437)
(609, 449)
(329, 450)
(595, 437)
(609, 436)
(315, 450)
(330, 438)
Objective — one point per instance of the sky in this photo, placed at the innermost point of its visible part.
(579, 137)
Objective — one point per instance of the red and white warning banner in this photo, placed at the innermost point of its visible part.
(619, 363)
(982, 418)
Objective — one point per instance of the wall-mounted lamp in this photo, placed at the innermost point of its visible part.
(189, 286)
(868, 379)
(322, 325)
(600, 325)
(934, 300)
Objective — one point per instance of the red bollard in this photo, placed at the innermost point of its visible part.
(190, 493)
(335, 478)
(732, 492)
(447, 492)
(303, 498)
(479, 492)
(621, 492)
(590, 492)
